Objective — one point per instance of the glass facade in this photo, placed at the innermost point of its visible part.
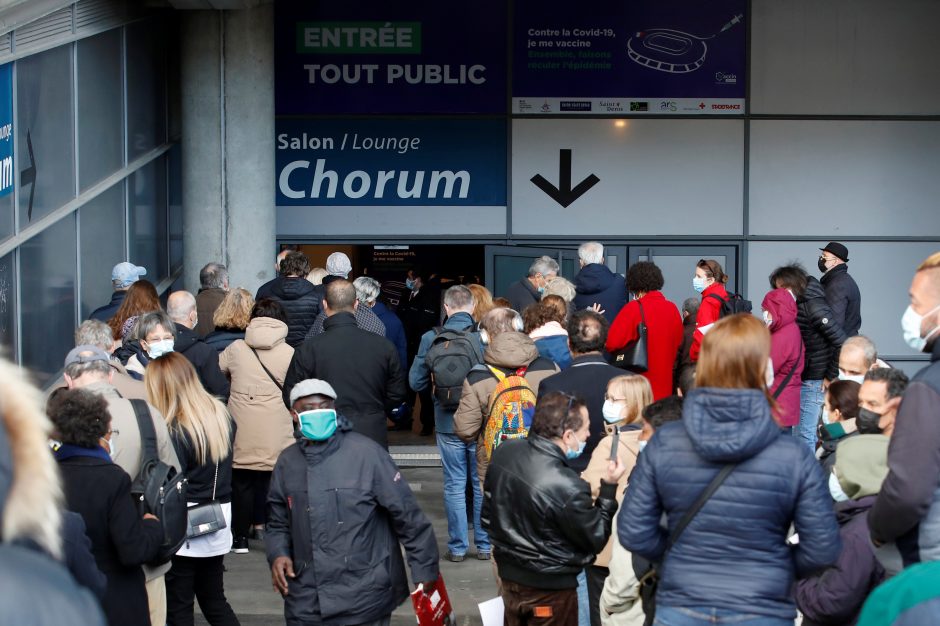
(92, 110)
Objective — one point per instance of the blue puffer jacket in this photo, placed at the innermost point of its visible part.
(596, 284)
(733, 554)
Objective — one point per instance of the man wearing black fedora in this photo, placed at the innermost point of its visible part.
(841, 291)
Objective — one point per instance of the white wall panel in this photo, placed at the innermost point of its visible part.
(396, 221)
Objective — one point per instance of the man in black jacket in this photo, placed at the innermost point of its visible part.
(543, 523)
(363, 367)
(528, 290)
(822, 339)
(299, 297)
(841, 291)
(337, 509)
(181, 307)
(587, 376)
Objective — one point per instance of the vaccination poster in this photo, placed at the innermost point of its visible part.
(643, 56)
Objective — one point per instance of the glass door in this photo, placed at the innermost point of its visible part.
(507, 264)
(678, 266)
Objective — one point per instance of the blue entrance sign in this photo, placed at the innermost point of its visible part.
(6, 129)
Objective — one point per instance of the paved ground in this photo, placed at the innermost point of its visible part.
(248, 579)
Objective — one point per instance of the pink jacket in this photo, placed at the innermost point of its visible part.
(786, 351)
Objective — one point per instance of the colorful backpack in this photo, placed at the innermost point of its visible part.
(512, 405)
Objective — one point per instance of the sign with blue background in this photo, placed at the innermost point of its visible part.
(6, 129)
(373, 162)
(376, 56)
(643, 56)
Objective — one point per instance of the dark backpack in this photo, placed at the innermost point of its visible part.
(452, 355)
(159, 489)
(734, 304)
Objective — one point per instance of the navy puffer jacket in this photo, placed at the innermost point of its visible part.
(301, 302)
(733, 554)
(596, 284)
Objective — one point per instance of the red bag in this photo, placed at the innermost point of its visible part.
(432, 606)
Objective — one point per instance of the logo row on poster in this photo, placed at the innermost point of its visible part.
(427, 57)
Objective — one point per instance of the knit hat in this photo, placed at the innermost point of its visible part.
(338, 264)
(311, 387)
(862, 465)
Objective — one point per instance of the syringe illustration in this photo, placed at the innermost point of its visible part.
(673, 51)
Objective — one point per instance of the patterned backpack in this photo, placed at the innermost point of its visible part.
(512, 405)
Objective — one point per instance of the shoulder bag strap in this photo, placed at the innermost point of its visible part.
(702, 499)
(148, 436)
(717, 297)
(215, 480)
(266, 371)
(642, 314)
(785, 382)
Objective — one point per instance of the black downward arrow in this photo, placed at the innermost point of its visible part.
(28, 176)
(563, 194)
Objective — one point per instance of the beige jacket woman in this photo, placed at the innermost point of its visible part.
(264, 423)
(627, 450)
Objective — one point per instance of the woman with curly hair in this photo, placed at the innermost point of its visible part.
(231, 319)
(202, 433)
(544, 322)
(141, 298)
(100, 492)
(663, 325)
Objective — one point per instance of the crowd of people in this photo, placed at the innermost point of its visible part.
(618, 458)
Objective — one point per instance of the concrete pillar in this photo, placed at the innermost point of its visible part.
(228, 143)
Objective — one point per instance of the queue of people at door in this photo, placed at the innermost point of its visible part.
(723, 403)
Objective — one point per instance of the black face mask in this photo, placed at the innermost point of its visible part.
(867, 422)
(821, 264)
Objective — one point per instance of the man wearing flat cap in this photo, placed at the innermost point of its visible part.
(841, 291)
(337, 510)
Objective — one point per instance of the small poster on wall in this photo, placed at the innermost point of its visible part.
(658, 57)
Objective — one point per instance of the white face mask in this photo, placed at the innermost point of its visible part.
(835, 489)
(769, 373)
(112, 446)
(857, 379)
(825, 415)
(642, 444)
(767, 318)
(157, 349)
(613, 411)
(910, 326)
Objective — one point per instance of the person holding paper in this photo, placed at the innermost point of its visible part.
(709, 280)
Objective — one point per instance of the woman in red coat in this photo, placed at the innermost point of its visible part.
(786, 352)
(709, 280)
(663, 325)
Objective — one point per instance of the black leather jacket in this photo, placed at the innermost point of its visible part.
(543, 523)
(822, 333)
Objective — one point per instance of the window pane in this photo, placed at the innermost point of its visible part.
(146, 89)
(47, 277)
(176, 207)
(7, 307)
(147, 204)
(44, 119)
(101, 236)
(100, 121)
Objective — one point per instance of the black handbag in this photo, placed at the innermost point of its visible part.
(634, 356)
(647, 572)
(208, 517)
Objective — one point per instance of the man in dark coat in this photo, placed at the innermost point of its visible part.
(528, 290)
(362, 366)
(596, 284)
(351, 572)
(213, 285)
(588, 375)
(420, 311)
(684, 362)
(299, 297)
(181, 307)
(123, 275)
(841, 291)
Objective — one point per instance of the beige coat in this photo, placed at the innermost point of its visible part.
(627, 452)
(507, 350)
(264, 423)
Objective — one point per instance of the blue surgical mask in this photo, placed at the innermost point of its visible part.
(612, 411)
(835, 489)
(409, 284)
(157, 349)
(860, 378)
(642, 444)
(573, 454)
(911, 322)
(698, 284)
(318, 424)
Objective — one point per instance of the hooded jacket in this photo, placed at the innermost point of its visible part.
(36, 588)
(595, 283)
(822, 334)
(339, 510)
(264, 423)
(204, 358)
(708, 313)
(301, 300)
(786, 352)
(843, 296)
(733, 554)
(507, 351)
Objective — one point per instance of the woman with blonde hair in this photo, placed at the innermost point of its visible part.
(202, 434)
(482, 301)
(230, 319)
(727, 474)
(624, 402)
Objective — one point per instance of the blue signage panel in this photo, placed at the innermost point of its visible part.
(375, 56)
(373, 162)
(643, 56)
(6, 129)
